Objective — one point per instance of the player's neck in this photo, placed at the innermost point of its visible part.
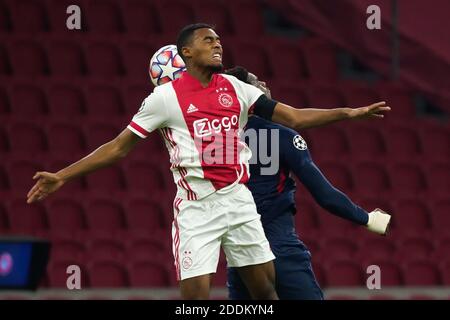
(203, 75)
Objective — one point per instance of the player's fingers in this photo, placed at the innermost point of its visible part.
(378, 104)
(37, 175)
(32, 190)
(377, 115)
(387, 108)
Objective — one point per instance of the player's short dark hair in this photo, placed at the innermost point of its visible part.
(185, 35)
(239, 72)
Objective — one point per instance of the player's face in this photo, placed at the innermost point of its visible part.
(253, 80)
(206, 50)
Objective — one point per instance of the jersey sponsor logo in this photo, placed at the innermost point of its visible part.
(299, 143)
(192, 108)
(204, 127)
(225, 100)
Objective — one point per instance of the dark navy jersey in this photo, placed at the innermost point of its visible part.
(274, 194)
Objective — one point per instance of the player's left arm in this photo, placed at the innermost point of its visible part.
(310, 117)
(295, 154)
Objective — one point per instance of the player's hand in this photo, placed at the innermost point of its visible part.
(373, 111)
(47, 183)
(379, 221)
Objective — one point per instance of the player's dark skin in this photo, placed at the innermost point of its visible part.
(202, 64)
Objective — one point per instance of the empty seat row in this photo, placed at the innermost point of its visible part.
(137, 16)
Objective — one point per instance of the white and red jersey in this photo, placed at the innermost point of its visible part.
(201, 128)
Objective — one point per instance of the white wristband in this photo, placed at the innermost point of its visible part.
(378, 221)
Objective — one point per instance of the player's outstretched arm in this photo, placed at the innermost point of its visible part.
(103, 156)
(308, 117)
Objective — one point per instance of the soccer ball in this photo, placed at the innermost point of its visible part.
(166, 65)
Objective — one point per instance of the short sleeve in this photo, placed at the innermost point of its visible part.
(247, 94)
(151, 115)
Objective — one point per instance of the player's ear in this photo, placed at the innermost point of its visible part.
(187, 52)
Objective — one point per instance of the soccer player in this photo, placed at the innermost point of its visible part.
(275, 201)
(212, 207)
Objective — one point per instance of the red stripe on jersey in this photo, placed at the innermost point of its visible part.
(280, 186)
(216, 106)
(182, 182)
(176, 239)
(139, 129)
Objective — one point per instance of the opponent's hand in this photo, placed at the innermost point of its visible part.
(47, 183)
(379, 221)
(373, 111)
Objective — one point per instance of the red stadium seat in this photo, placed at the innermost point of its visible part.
(438, 176)
(4, 220)
(137, 56)
(66, 214)
(214, 13)
(366, 142)
(135, 94)
(287, 53)
(323, 96)
(4, 142)
(5, 18)
(27, 137)
(344, 273)
(415, 248)
(290, 94)
(306, 217)
(407, 178)
(66, 100)
(445, 273)
(441, 218)
(371, 178)
(320, 58)
(145, 214)
(338, 175)
(66, 58)
(64, 249)
(243, 54)
(4, 181)
(66, 137)
(28, 57)
(403, 142)
(376, 248)
(411, 214)
(400, 99)
(104, 59)
(141, 17)
(28, 16)
(25, 218)
(358, 95)
(144, 176)
(108, 274)
(328, 142)
(105, 214)
(421, 273)
(20, 174)
(181, 14)
(249, 12)
(108, 179)
(104, 99)
(104, 248)
(101, 132)
(436, 142)
(148, 248)
(104, 17)
(5, 64)
(148, 273)
(28, 100)
(336, 248)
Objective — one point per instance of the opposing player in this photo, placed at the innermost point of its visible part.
(200, 115)
(274, 198)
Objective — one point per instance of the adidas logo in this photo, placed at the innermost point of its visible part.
(192, 108)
